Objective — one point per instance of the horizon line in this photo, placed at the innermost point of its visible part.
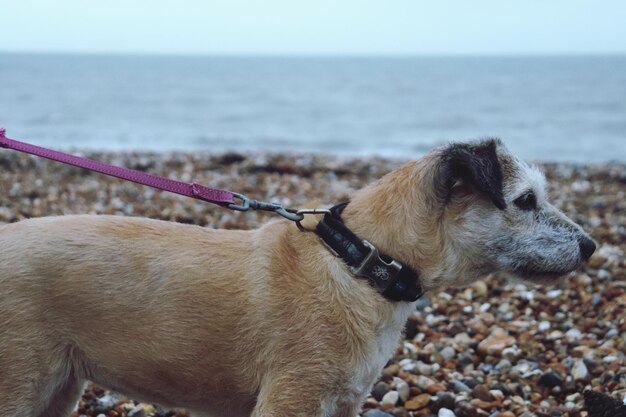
(316, 54)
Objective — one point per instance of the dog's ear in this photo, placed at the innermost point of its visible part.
(476, 164)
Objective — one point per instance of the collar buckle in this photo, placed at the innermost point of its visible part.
(382, 273)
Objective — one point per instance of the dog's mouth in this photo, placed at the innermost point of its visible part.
(539, 276)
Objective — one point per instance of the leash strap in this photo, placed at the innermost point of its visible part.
(393, 279)
(200, 192)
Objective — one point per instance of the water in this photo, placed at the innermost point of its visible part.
(545, 108)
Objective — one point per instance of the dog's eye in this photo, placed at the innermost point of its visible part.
(526, 202)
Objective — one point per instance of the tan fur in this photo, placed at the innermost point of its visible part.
(231, 323)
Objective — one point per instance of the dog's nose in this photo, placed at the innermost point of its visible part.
(587, 247)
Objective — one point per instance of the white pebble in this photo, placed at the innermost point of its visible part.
(497, 394)
(391, 398)
(106, 401)
(511, 352)
(580, 186)
(407, 365)
(544, 325)
(448, 353)
(521, 368)
(527, 295)
(573, 397)
(555, 335)
(573, 334)
(444, 412)
(554, 293)
(410, 347)
(402, 387)
(445, 296)
(579, 370)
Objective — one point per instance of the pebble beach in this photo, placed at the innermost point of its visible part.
(494, 349)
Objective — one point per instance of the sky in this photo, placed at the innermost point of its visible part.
(320, 27)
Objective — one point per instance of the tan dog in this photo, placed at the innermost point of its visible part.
(265, 322)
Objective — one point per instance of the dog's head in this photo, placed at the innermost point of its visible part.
(494, 216)
(470, 209)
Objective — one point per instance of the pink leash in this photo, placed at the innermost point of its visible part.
(193, 190)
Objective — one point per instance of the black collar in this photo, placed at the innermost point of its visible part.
(393, 279)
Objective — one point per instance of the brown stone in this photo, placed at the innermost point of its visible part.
(418, 402)
(371, 403)
(494, 345)
(435, 388)
(387, 407)
(484, 405)
(391, 370)
(482, 392)
(506, 414)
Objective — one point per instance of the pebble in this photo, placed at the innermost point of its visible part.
(554, 293)
(380, 389)
(425, 369)
(445, 412)
(511, 353)
(482, 392)
(460, 387)
(390, 398)
(550, 379)
(446, 400)
(496, 394)
(579, 370)
(402, 387)
(503, 365)
(418, 402)
(376, 413)
(495, 344)
(573, 335)
(106, 401)
(448, 353)
(423, 382)
(141, 410)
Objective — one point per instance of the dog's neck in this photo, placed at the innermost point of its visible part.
(393, 279)
(401, 227)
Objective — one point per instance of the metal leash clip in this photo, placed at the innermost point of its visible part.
(302, 212)
(248, 203)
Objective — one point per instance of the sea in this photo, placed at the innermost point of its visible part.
(545, 108)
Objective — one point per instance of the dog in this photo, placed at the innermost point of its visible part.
(267, 322)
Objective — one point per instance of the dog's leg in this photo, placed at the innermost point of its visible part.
(35, 382)
(63, 400)
(18, 382)
(296, 394)
(287, 397)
